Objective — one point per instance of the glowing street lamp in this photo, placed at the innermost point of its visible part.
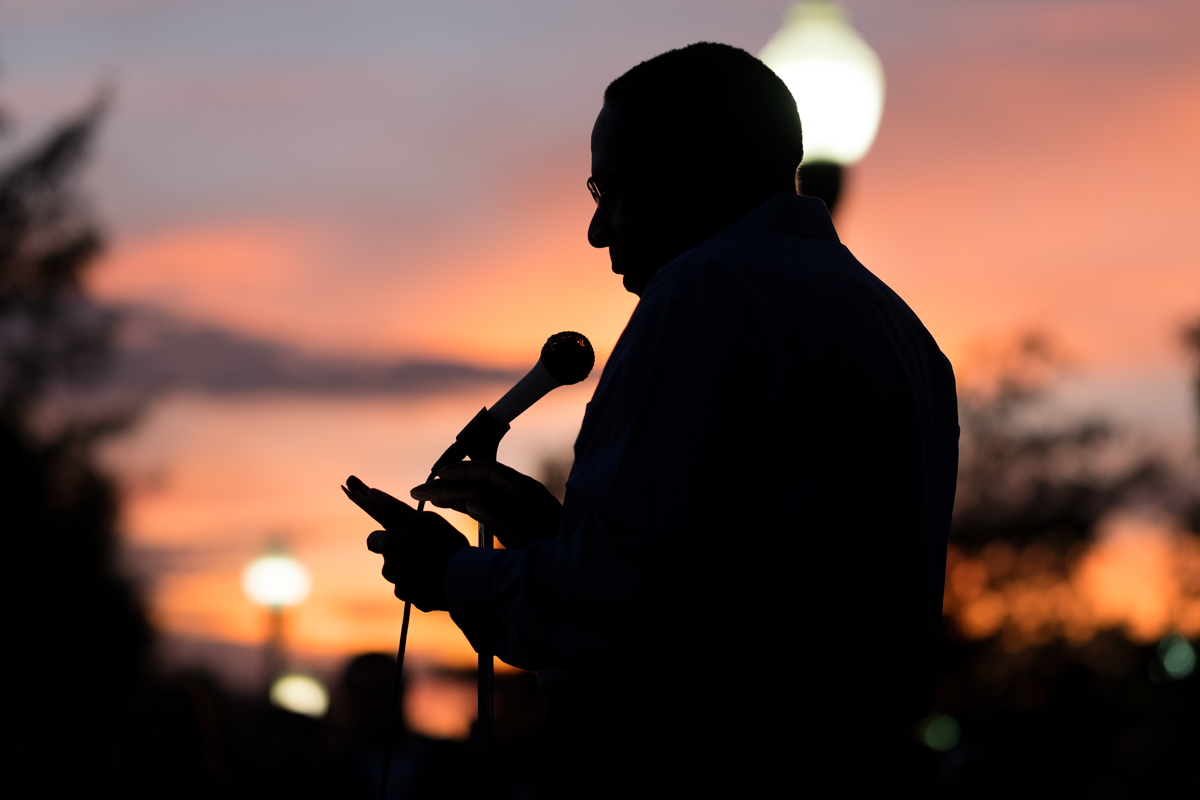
(837, 82)
(276, 581)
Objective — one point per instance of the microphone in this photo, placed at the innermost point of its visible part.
(566, 358)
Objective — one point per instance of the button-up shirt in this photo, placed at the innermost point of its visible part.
(761, 493)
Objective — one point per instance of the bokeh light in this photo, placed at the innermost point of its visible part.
(1177, 655)
(276, 581)
(301, 694)
(940, 732)
(835, 77)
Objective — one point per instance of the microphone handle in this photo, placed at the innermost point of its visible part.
(479, 440)
(536, 384)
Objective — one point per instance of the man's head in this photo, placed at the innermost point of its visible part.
(685, 144)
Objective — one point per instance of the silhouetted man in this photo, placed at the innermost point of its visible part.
(747, 569)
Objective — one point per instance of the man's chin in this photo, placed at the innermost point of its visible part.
(633, 283)
(620, 269)
(631, 276)
(636, 270)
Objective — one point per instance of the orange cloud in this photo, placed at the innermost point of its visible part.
(485, 301)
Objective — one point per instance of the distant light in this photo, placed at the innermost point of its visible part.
(1177, 656)
(835, 77)
(276, 581)
(301, 694)
(940, 732)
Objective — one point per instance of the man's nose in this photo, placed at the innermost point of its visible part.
(598, 233)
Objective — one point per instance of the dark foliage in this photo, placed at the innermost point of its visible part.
(1098, 720)
(1191, 340)
(77, 630)
(1021, 482)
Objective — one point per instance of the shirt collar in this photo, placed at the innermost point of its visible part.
(790, 215)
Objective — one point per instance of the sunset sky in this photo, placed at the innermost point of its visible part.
(406, 180)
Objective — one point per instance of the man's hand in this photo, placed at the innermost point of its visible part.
(416, 546)
(516, 508)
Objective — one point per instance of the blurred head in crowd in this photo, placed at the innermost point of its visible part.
(365, 694)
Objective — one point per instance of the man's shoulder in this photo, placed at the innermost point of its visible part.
(784, 255)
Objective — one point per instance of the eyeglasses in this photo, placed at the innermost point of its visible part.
(597, 193)
(604, 188)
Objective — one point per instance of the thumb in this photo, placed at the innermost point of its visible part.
(375, 541)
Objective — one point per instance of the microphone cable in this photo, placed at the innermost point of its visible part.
(391, 724)
(396, 683)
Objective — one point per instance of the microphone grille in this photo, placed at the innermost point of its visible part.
(568, 357)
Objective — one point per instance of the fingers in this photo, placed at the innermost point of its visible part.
(450, 494)
(389, 512)
(447, 491)
(495, 495)
(376, 541)
(416, 554)
(357, 491)
(463, 486)
(493, 474)
(466, 497)
(355, 487)
(383, 508)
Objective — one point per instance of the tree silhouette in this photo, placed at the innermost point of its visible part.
(1021, 482)
(1191, 340)
(1044, 713)
(77, 633)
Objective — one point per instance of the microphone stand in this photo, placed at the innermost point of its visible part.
(480, 441)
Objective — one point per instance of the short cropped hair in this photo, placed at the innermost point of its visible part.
(715, 105)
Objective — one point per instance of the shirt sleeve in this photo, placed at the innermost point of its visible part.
(645, 508)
